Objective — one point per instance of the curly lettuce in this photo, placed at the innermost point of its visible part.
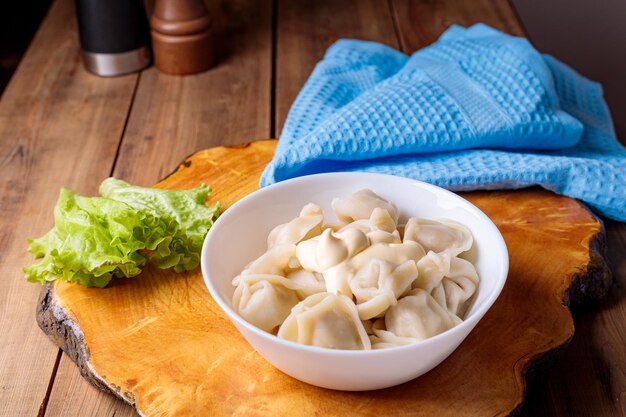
(97, 238)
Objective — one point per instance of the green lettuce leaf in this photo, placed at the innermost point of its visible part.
(186, 209)
(97, 238)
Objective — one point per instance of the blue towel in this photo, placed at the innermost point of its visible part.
(478, 109)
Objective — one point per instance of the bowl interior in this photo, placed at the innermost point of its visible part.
(239, 235)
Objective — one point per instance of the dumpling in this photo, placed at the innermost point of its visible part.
(380, 338)
(380, 236)
(365, 282)
(381, 219)
(307, 225)
(459, 285)
(431, 270)
(327, 254)
(438, 235)
(360, 205)
(354, 241)
(380, 284)
(325, 320)
(414, 318)
(330, 249)
(396, 253)
(278, 260)
(439, 295)
(264, 300)
(338, 277)
(308, 282)
(363, 225)
(379, 228)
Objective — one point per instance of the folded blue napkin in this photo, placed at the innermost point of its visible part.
(478, 109)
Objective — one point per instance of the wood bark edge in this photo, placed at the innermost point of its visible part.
(586, 287)
(593, 283)
(63, 330)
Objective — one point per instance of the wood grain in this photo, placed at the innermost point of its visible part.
(306, 29)
(421, 22)
(91, 401)
(174, 116)
(39, 152)
(170, 351)
(596, 384)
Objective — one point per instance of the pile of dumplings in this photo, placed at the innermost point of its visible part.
(363, 283)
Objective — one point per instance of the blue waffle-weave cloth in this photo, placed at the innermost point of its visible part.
(478, 109)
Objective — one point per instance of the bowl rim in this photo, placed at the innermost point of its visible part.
(465, 323)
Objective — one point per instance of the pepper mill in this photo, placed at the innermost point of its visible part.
(181, 36)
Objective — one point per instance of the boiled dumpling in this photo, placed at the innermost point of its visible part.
(365, 282)
(278, 260)
(431, 270)
(439, 295)
(264, 300)
(379, 228)
(381, 219)
(377, 343)
(380, 338)
(438, 235)
(330, 249)
(380, 284)
(307, 225)
(338, 277)
(459, 285)
(380, 236)
(308, 282)
(396, 253)
(353, 240)
(327, 254)
(325, 320)
(360, 205)
(415, 317)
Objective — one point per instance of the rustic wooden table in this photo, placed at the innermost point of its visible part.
(61, 126)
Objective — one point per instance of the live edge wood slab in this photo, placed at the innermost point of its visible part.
(160, 343)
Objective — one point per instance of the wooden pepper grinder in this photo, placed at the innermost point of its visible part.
(181, 36)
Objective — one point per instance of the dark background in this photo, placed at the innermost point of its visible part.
(590, 36)
(18, 22)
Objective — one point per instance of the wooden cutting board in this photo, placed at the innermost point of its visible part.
(160, 343)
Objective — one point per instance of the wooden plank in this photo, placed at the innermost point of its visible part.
(90, 402)
(59, 126)
(174, 116)
(306, 29)
(421, 22)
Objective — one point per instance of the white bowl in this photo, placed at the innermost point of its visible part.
(239, 236)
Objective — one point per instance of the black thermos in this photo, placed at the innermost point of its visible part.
(114, 36)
